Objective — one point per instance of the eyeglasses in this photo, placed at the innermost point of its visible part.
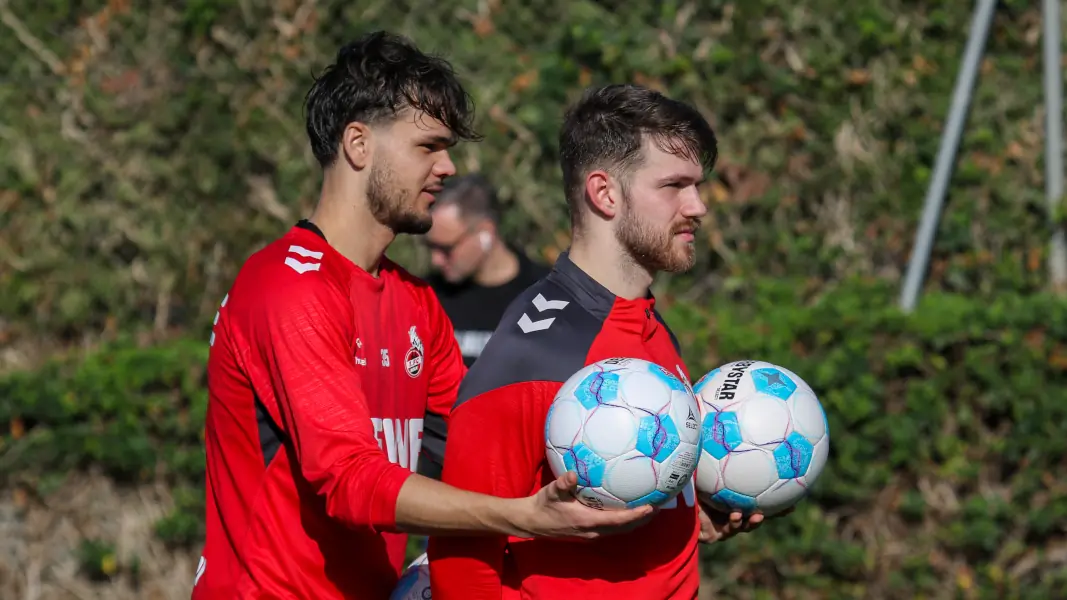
(447, 249)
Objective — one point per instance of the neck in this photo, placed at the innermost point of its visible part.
(499, 267)
(603, 259)
(351, 228)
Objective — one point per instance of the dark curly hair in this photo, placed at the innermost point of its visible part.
(606, 127)
(373, 79)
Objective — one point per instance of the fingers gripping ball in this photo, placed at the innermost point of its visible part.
(629, 428)
(764, 439)
(414, 584)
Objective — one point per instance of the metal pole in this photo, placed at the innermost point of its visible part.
(1057, 259)
(946, 156)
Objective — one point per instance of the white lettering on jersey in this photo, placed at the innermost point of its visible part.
(403, 444)
(390, 440)
(528, 325)
(414, 442)
(303, 267)
(385, 357)
(400, 439)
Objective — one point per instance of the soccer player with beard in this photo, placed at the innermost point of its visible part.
(632, 160)
(325, 356)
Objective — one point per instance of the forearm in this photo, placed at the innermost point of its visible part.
(428, 507)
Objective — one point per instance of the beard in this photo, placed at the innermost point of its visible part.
(391, 204)
(653, 249)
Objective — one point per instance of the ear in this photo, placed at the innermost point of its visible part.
(356, 145)
(603, 193)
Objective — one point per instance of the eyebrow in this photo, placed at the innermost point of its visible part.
(683, 179)
(441, 140)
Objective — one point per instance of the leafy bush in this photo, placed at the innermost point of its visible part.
(134, 413)
(160, 144)
(945, 476)
(947, 429)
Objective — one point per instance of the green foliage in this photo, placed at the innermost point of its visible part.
(98, 561)
(947, 430)
(184, 527)
(125, 409)
(160, 144)
(945, 476)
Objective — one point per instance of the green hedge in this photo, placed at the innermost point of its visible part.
(948, 430)
(183, 148)
(135, 413)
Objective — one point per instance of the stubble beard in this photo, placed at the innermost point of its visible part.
(654, 250)
(390, 203)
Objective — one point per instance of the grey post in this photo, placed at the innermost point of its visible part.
(1057, 260)
(946, 156)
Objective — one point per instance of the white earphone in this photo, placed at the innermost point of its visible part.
(485, 239)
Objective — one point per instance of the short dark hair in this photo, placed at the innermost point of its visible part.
(605, 129)
(373, 79)
(473, 194)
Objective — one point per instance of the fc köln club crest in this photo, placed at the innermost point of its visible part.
(413, 359)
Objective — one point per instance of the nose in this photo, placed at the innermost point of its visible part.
(438, 258)
(693, 206)
(444, 167)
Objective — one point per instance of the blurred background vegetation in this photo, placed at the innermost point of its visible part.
(146, 149)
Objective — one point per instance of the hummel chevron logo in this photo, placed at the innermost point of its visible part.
(528, 325)
(302, 251)
(542, 305)
(303, 267)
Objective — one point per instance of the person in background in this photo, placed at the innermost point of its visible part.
(476, 275)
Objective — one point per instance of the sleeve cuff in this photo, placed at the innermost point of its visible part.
(384, 496)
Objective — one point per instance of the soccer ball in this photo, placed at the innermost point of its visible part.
(764, 438)
(629, 428)
(414, 584)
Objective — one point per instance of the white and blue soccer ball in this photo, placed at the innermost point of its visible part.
(414, 584)
(764, 438)
(629, 428)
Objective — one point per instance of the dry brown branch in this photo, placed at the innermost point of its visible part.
(30, 41)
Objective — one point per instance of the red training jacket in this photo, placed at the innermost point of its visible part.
(319, 378)
(496, 445)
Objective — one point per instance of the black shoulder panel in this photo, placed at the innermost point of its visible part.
(544, 335)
